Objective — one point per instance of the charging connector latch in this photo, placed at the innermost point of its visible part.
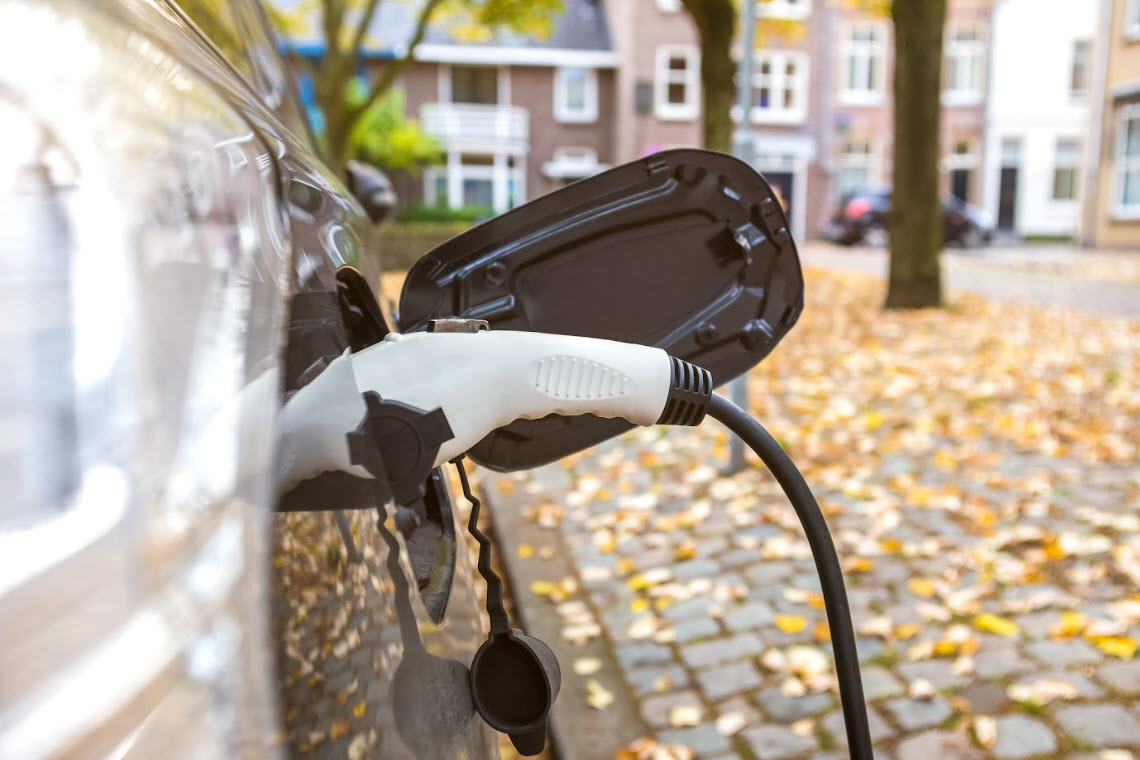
(398, 443)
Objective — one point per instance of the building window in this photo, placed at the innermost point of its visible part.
(961, 164)
(1066, 162)
(1132, 20)
(856, 167)
(677, 83)
(1079, 74)
(1128, 162)
(575, 94)
(475, 84)
(779, 86)
(863, 57)
(489, 182)
(962, 72)
(793, 9)
(669, 6)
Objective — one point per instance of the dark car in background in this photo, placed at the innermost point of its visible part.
(861, 219)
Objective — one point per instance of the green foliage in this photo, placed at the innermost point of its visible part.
(477, 20)
(384, 136)
(421, 212)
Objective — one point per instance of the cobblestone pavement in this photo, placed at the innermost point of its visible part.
(992, 553)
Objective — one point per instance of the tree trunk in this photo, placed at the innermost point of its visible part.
(716, 21)
(916, 213)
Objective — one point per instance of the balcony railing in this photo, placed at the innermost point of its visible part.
(471, 126)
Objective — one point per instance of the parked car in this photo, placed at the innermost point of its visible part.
(172, 245)
(861, 218)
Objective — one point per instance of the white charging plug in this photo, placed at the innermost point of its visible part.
(482, 381)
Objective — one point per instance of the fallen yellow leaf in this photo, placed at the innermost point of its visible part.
(791, 623)
(1123, 647)
(586, 666)
(687, 550)
(906, 631)
(1071, 624)
(683, 716)
(995, 624)
(525, 551)
(598, 696)
(358, 711)
(638, 605)
(921, 587)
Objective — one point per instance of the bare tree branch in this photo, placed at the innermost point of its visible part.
(362, 30)
(332, 16)
(392, 69)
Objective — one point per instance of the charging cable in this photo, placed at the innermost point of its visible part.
(826, 565)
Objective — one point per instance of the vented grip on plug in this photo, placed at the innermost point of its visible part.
(690, 388)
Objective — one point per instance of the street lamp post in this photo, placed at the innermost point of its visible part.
(742, 148)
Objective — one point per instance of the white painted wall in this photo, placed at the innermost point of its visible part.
(1029, 97)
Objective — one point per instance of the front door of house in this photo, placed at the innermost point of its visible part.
(1007, 183)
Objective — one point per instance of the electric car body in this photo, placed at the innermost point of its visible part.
(172, 243)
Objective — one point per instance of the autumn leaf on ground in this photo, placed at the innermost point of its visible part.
(598, 696)
(995, 624)
(921, 587)
(985, 731)
(1071, 624)
(1123, 647)
(791, 623)
(682, 716)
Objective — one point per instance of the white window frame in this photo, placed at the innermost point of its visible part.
(1125, 164)
(1132, 20)
(669, 6)
(588, 114)
(1081, 95)
(963, 51)
(778, 82)
(1069, 163)
(499, 172)
(874, 51)
(872, 163)
(691, 78)
(789, 9)
(968, 160)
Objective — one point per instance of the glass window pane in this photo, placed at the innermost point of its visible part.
(1131, 189)
(574, 89)
(478, 192)
(678, 63)
(676, 94)
(1132, 140)
(474, 84)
